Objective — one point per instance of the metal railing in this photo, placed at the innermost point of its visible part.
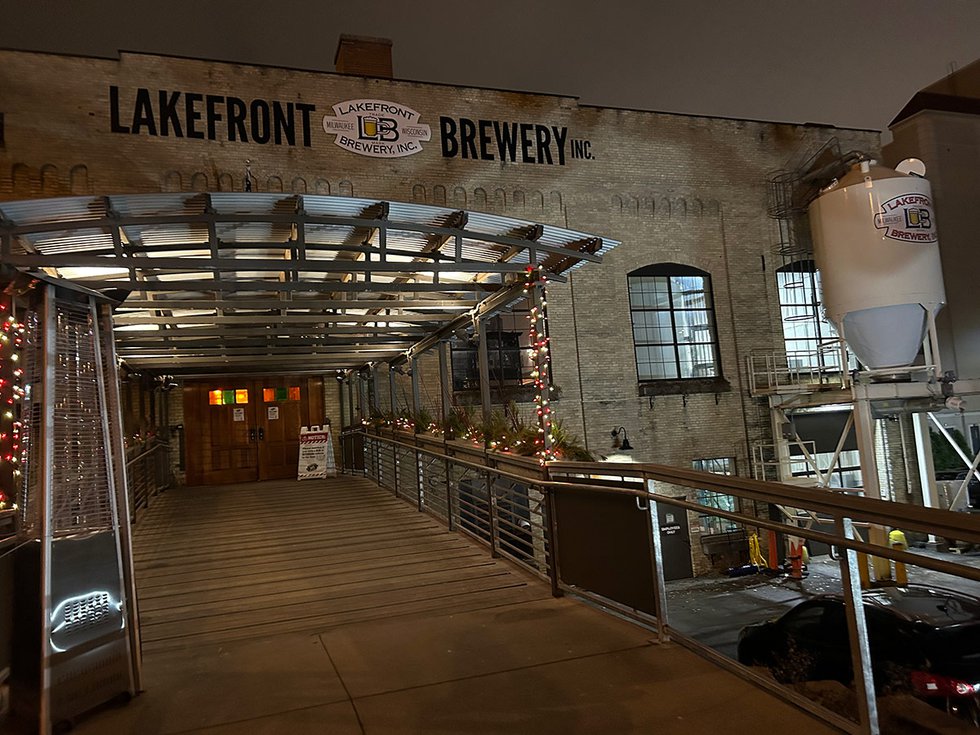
(513, 506)
(148, 473)
(794, 372)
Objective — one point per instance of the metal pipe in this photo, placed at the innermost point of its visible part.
(416, 394)
(864, 429)
(445, 382)
(659, 581)
(340, 403)
(857, 630)
(483, 362)
(108, 389)
(46, 474)
(934, 342)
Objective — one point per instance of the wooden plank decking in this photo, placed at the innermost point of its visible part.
(247, 561)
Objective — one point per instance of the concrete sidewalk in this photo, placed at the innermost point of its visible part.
(543, 666)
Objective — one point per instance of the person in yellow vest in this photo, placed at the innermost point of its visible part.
(896, 539)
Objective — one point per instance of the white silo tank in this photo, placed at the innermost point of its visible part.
(875, 244)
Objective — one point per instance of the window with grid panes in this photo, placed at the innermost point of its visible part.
(714, 524)
(673, 323)
(509, 359)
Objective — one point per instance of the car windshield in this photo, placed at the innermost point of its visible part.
(935, 608)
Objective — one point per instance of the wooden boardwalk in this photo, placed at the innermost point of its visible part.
(248, 561)
(332, 607)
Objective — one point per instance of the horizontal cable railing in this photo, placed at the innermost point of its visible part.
(562, 524)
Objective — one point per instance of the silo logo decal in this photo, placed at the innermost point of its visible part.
(907, 218)
(377, 128)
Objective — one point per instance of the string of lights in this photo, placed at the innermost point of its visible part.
(12, 393)
(534, 287)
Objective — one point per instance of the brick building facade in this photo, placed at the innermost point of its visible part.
(674, 189)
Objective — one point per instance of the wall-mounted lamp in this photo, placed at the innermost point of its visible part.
(622, 445)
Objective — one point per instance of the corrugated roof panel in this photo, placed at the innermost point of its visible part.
(421, 214)
(252, 232)
(319, 234)
(160, 205)
(330, 206)
(91, 240)
(178, 233)
(250, 202)
(58, 209)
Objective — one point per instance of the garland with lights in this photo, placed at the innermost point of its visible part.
(12, 392)
(534, 286)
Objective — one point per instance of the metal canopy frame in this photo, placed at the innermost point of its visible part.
(241, 282)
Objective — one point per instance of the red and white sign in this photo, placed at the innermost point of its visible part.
(316, 458)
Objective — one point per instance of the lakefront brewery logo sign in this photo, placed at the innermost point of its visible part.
(377, 128)
(907, 218)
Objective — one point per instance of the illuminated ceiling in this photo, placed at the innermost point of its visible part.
(241, 282)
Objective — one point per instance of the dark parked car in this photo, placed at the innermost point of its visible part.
(923, 640)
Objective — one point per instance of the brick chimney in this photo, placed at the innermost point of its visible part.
(364, 56)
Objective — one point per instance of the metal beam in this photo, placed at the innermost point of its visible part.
(293, 304)
(218, 351)
(231, 331)
(231, 265)
(333, 360)
(108, 223)
(484, 367)
(131, 319)
(172, 347)
(271, 286)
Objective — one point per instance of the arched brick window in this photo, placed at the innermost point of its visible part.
(673, 323)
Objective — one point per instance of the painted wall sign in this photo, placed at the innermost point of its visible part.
(367, 127)
(377, 128)
(167, 113)
(512, 142)
(907, 218)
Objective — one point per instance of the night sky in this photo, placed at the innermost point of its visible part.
(851, 63)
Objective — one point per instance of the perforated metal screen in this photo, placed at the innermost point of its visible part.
(80, 477)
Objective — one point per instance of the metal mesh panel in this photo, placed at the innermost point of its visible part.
(80, 482)
(32, 356)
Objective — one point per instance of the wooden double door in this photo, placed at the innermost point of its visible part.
(246, 429)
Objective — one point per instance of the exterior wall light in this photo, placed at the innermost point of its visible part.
(624, 444)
